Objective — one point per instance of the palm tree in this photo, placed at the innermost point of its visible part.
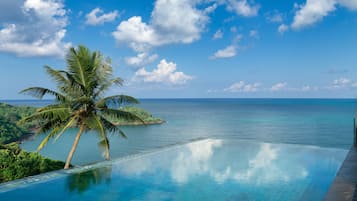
(79, 101)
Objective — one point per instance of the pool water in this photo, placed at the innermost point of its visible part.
(205, 170)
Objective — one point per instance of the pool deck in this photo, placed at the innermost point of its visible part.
(344, 187)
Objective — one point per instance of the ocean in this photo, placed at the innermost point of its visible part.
(316, 122)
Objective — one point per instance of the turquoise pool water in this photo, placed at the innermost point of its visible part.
(205, 170)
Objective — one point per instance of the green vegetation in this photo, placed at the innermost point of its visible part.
(141, 113)
(16, 164)
(79, 103)
(10, 131)
(79, 100)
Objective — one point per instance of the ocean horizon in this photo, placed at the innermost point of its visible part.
(316, 122)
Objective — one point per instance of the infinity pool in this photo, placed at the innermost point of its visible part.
(206, 170)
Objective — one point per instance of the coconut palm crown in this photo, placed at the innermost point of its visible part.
(79, 101)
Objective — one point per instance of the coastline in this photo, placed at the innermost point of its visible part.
(157, 122)
(30, 135)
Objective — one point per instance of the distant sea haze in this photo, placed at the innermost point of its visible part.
(317, 122)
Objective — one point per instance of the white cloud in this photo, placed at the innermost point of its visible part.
(311, 12)
(260, 164)
(343, 83)
(166, 72)
(242, 7)
(275, 17)
(264, 168)
(229, 51)
(11, 11)
(40, 32)
(141, 59)
(218, 35)
(96, 16)
(283, 28)
(278, 86)
(195, 161)
(211, 8)
(314, 11)
(171, 22)
(241, 86)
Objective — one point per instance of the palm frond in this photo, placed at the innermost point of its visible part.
(68, 125)
(48, 137)
(79, 65)
(106, 85)
(50, 124)
(104, 143)
(57, 75)
(121, 114)
(112, 128)
(40, 92)
(50, 113)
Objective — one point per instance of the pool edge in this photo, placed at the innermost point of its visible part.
(344, 185)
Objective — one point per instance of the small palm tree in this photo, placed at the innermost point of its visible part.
(79, 101)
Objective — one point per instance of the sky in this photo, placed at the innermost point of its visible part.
(188, 48)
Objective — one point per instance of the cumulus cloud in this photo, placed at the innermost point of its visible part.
(217, 35)
(241, 86)
(171, 22)
(166, 73)
(11, 11)
(278, 86)
(283, 28)
(229, 51)
(141, 59)
(314, 11)
(39, 31)
(242, 7)
(311, 12)
(97, 16)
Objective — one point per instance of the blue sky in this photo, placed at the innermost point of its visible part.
(188, 48)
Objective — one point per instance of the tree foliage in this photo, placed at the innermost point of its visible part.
(16, 163)
(80, 100)
(10, 130)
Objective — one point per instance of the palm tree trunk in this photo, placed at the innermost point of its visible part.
(74, 147)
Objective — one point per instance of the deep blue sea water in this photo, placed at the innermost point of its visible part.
(320, 122)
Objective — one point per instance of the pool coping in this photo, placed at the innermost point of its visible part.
(344, 185)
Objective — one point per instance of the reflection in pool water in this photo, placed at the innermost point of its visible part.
(206, 170)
